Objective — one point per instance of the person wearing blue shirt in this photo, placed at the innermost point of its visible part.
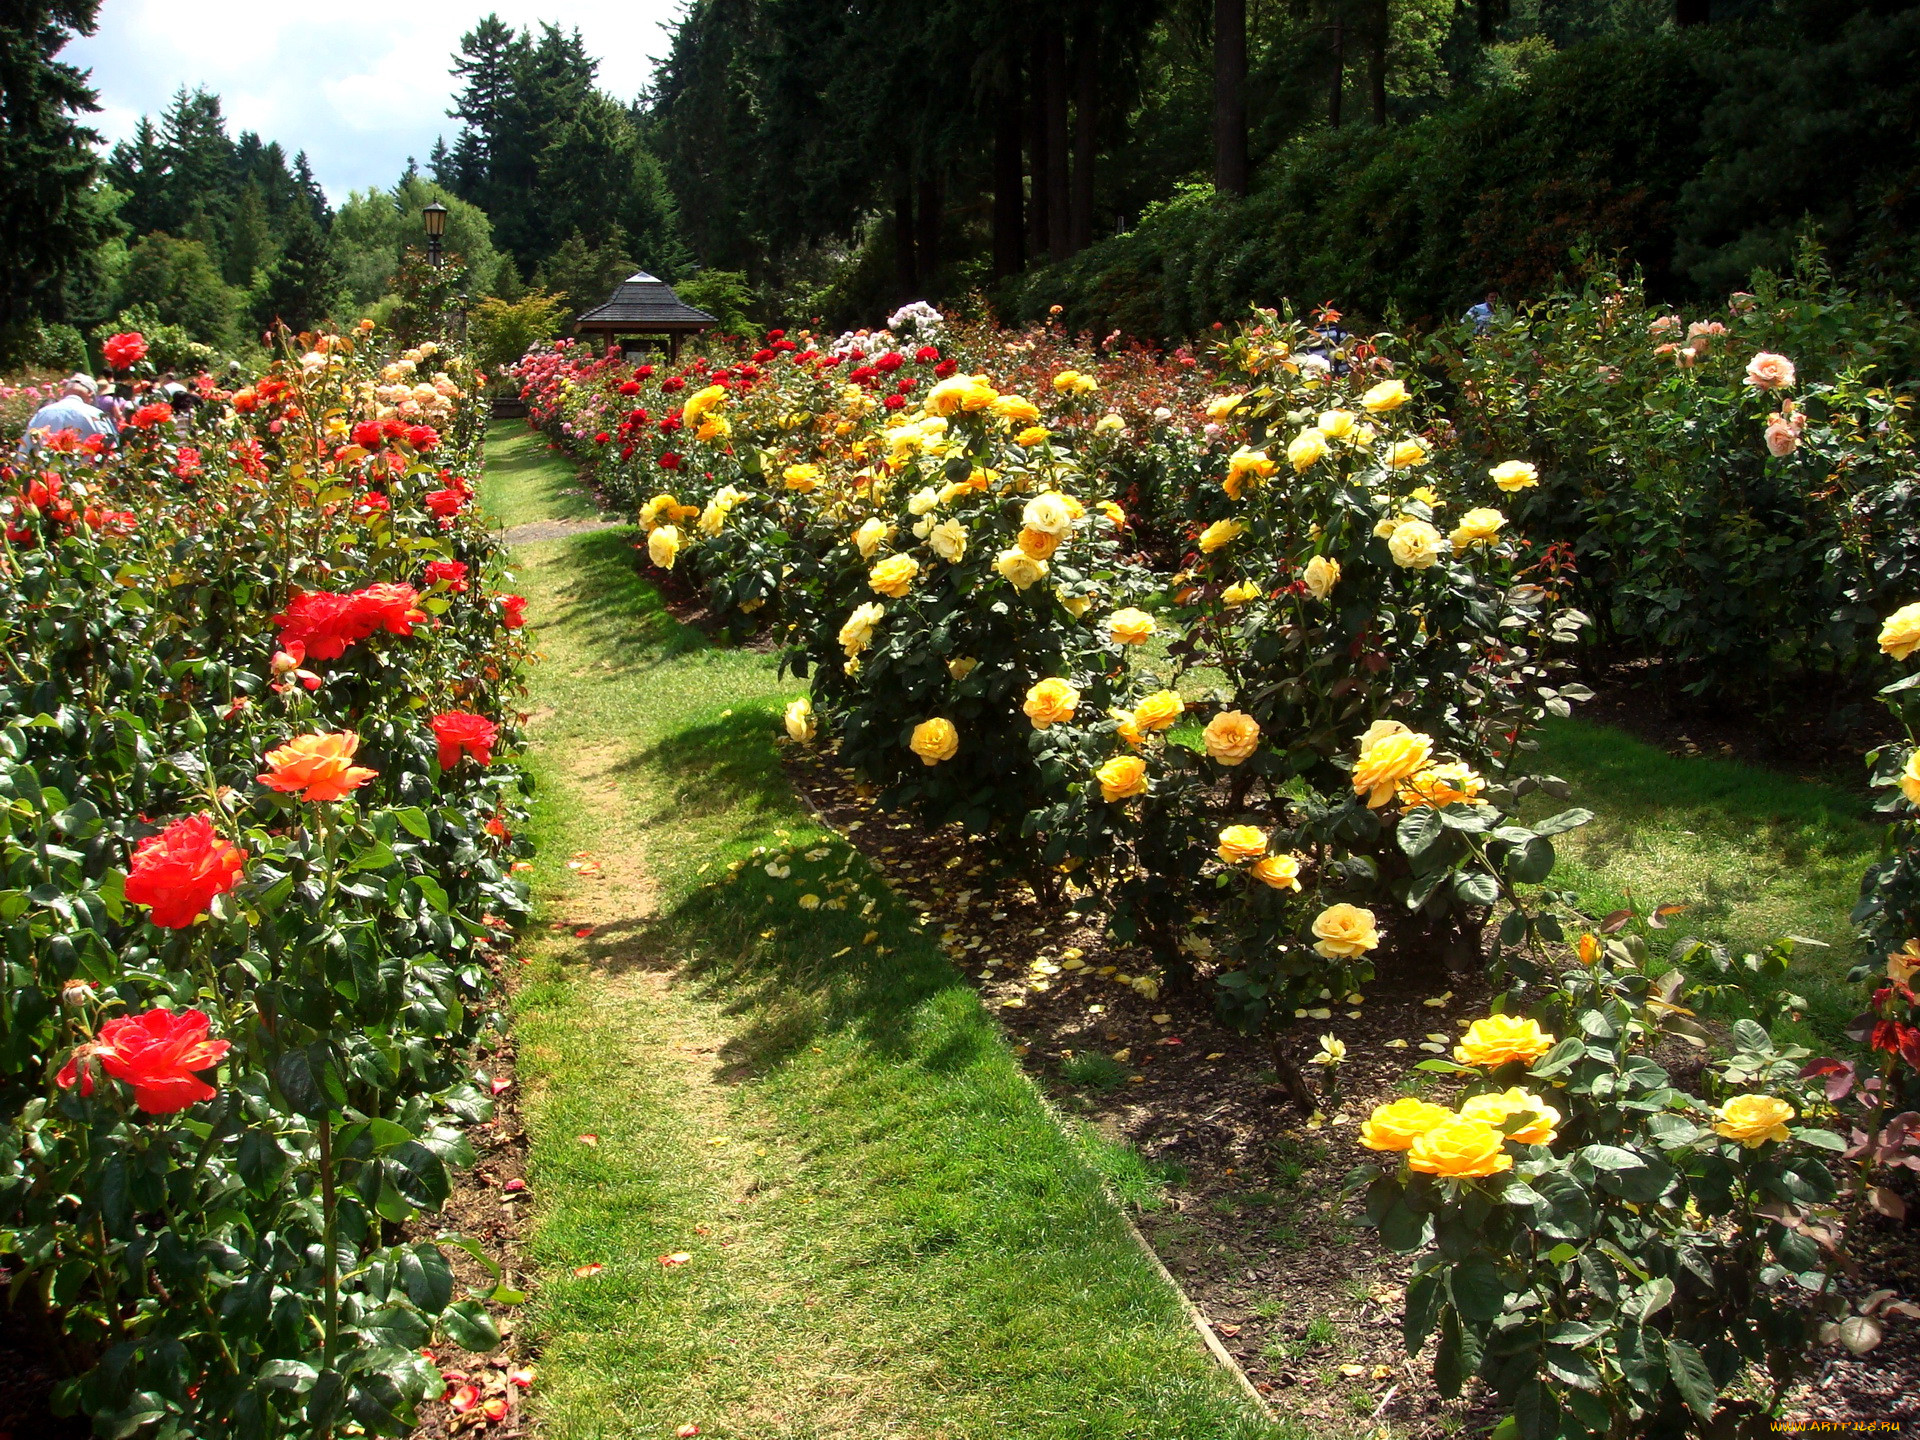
(1481, 315)
(73, 411)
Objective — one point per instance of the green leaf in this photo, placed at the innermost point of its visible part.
(1690, 1377)
(1418, 829)
(414, 821)
(469, 1326)
(1611, 1157)
(1566, 820)
(1561, 1058)
(1478, 1288)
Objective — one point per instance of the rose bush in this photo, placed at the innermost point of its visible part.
(248, 914)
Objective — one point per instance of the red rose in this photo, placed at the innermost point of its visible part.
(367, 434)
(326, 624)
(946, 368)
(186, 465)
(123, 352)
(459, 731)
(641, 372)
(513, 611)
(390, 607)
(447, 503)
(630, 387)
(669, 460)
(673, 382)
(776, 334)
(601, 438)
(423, 437)
(895, 402)
(926, 355)
(178, 872)
(451, 573)
(891, 361)
(157, 1054)
(148, 416)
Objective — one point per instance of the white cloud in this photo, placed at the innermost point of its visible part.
(358, 84)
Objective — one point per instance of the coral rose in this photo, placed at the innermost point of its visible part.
(934, 740)
(1130, 626)
(323, 624)
(460, 732)
(1753, 1120)
(157, 1054)
(1122, 777)
(1496, 1110)
(391, 607)
(1460, 1149)
(177, 873)
(1397, 1126)
(123, 352)
(1051, 702)
(1231, 737)
(1900, 635)
(1500, 1038)
(1344, 932)
(1280, 872)
(317, 767)
(1241, 843)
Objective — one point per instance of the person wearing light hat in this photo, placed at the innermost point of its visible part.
(72, 413)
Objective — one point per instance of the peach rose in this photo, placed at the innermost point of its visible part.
(1231, 737)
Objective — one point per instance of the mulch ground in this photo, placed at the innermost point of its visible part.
(1255, 1225)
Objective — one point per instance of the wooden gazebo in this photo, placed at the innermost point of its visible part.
(641, 306)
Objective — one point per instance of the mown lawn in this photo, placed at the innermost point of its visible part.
(886, 1233)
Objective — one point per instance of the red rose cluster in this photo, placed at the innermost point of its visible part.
(158, 1054)
(324, 624)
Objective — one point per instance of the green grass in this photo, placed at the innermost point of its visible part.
(1752, 854)
(526, 482)
(889, 1233)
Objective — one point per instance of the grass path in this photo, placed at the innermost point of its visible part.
(887, 1234)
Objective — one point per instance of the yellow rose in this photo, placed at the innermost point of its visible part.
(1512, 475)
(1016, 409)
(1344, 932)
(1900, 636)
(1903, 962)
(868, 537)
(1426, 495)
(1109, 425)
(948, 540)
(702, 401)
(1072, 382)
(1051, 514)
(1391, 758)
(1448, 784)
(1219, 535)
(1397, 1126)
(1051, 702)
(714, 427)
(801, 477)
(1387, 395)
(1037, 543)
(1460, 1149)
(1222, 406)
(1406, 453)
(1910, 778)
(1378, 731)
(1122, 777)
(1031, 436)
(1114, 513)
(893, 576)
(1497, 1109)
(656, 511)
(1241, 843)
(799, 720)
(1282, 872)
(1587, 948)
(1231, 737)
(1336, 424)
(663, 546)
(1019, 568)
(1074, 605)
(1239, 593)
(857, 633)
(1130, 626)
(1245, 470)
(1414, 545)
(1321, 576)
(1476, 527)
(1126, 728)
(1500, 1038)
(1753, 1120)
(1305, 449)
(960, 392)
(1159, 710)
(923, 501)
(934, 741)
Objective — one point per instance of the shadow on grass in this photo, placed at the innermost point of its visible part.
(722, 766)
(616, 614)
(525, 481)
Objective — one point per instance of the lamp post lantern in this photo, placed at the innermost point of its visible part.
(435, 219)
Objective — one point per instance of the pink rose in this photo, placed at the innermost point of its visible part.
(1783, 431)
(1664, 324)
(1767, 371)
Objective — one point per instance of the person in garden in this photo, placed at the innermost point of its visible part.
(73, 413)
(1481, 315)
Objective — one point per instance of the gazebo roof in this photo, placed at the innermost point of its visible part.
(641, 302)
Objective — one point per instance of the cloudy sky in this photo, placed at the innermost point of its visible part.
(358, 84)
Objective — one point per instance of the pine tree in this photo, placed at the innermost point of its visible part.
(46, 165)
(249, 239)
(305, 281)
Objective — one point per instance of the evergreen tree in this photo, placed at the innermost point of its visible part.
(250, 245)
(46, 165)
(305, 281)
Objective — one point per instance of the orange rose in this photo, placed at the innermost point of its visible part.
(1122, 778)
(1282, 872)
(319, 767)
(1231, 737)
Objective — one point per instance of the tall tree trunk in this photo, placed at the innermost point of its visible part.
(1339, 29)
(927, 242)
(1009, 214)
(1489, 16)
(1230, 96)
(1692, 12)
(1086, 128)
(1039, 242)
(906, 276)
(1380, 31)
(1059, 231)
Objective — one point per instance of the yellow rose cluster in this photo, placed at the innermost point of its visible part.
(1467, 1144)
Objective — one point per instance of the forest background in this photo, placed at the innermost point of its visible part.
(1151, 166)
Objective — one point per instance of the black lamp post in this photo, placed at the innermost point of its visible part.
(435, 219)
